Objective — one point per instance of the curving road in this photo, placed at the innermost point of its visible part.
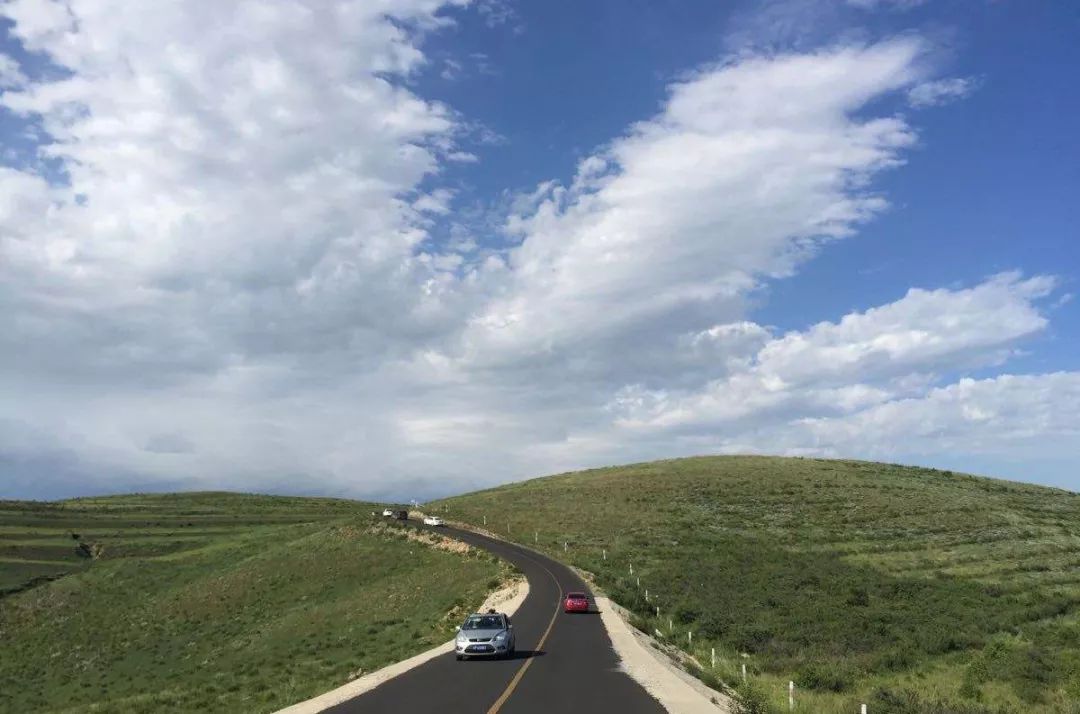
(564, 663)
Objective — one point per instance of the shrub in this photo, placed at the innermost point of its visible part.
(906, 701)
(897, 658)
(834, 677)
(751, 699)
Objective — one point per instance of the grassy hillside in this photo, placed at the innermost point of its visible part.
(909, 589)
(214, 602)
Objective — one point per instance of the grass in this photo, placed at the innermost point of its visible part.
(910, 590)
(214, 602)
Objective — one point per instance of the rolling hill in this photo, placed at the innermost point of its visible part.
(913, 590)
(212, 601)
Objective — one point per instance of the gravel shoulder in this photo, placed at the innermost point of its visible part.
(678, 691)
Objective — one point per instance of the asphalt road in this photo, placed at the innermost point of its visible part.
(564, 663)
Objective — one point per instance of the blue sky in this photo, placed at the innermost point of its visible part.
(408, 252)
(992, 186)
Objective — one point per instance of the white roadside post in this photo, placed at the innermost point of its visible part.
(712, 658)
(670, 625)
(631, 568)
(689, 639)
(646, 594)
(658, 611)
(485, 521)
(565, 546)
(791, 695)
(744, 672)
(862, 710)
(639, 582)
(536, 536)
(605, 554)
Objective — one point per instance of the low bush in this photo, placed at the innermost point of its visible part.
(750, 698)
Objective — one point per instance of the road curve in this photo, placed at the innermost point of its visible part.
(564, 663)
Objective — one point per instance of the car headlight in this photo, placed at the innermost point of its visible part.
(461, 637)
(500, 637)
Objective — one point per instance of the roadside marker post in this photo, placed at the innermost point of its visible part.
(605, 554)
(536, 536)
(631, 568)
(565, 546)
(639, 582)
(646, 594)
(712, 659)
(744, 672)
(658, 611)
(670, 625)
(485, 521)
(690, 638)
(791, 695)
(863, 709)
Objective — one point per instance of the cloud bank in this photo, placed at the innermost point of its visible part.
(220, 270)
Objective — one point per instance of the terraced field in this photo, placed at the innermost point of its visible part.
(912, 590)
(214, 602)
(41, 541)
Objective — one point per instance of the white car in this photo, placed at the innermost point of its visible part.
(387, 512)
(433, 521)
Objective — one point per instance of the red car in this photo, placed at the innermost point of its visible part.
(576, 602)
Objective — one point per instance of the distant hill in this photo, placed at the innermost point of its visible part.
(213, 602)
(913, 590)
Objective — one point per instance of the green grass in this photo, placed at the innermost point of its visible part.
(912, 590)
(214, 602)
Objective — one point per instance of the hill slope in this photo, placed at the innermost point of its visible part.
(911, 589)
(214, 602)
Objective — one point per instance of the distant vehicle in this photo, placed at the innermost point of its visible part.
(401, 515)
(433, 521)
(576, 602)
(487, 634)
(387, 512)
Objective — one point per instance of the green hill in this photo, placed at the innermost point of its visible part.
(212, 601)
(912, 590)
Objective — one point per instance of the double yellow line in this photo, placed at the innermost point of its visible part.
(539, 645)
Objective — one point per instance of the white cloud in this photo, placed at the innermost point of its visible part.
(940, 91)
(693, 208)
(11, 74)
(864, 360)
(889, 4)
(1011, 415)
(237, 286)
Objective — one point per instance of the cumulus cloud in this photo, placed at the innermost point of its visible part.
(939, 91)
(1008, 415)
(227, 277)
(862, 361)
(11, 74)
(682, 217)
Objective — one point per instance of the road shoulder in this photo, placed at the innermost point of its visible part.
(506, 599)
(676, 690)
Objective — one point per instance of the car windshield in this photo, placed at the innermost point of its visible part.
(483, 622)
(576, 596)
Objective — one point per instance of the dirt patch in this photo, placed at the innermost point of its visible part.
(426, 538)
(439, 542)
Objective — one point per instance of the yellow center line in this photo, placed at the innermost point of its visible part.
(539, 646)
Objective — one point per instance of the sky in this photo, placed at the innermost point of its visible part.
(399, 250)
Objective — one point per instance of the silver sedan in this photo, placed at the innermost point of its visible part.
(485, 635)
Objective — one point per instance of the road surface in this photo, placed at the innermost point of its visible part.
(564, 663)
